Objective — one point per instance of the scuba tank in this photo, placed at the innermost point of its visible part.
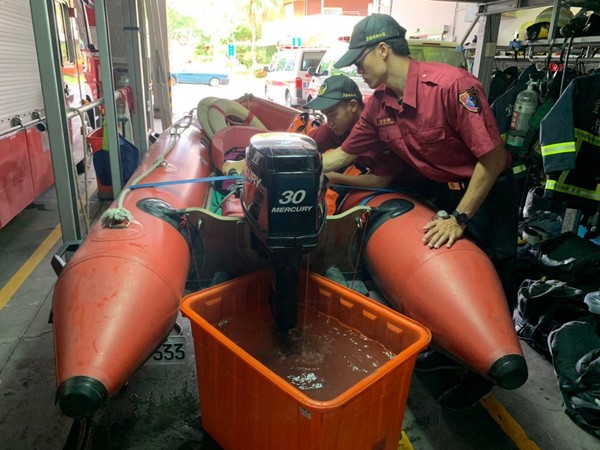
(525, 106)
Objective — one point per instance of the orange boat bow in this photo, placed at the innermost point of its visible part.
(118, 297)
(454, 292)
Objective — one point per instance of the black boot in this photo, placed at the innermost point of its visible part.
(467, 393)
(431, 360)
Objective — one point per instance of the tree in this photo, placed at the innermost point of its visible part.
(258, 12)
(219, 23)
(180, 27)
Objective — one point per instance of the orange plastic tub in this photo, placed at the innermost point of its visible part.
(245, 405)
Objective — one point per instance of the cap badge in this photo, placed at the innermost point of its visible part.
(322, 89)
(375, 36)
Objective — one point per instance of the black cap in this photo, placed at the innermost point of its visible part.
(333, 90)
(369, 31)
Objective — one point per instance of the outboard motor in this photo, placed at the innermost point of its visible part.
(284, 206)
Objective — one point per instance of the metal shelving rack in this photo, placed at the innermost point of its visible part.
(484, 60)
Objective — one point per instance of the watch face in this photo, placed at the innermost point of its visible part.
(461, 218)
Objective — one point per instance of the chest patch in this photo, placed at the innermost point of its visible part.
(470, 100)
(385, 121)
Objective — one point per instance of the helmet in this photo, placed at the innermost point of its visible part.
(546, 16)
(541, 24)
(522, 31)
(582, 25)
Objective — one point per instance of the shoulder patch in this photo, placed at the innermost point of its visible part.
(470, 100)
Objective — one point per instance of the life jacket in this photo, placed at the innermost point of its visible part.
(304, 123)
(335, 195)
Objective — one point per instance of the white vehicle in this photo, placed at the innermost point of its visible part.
(288, 78)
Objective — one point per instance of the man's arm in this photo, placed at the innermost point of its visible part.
(336, 159)
(332, 160)
(487, 169)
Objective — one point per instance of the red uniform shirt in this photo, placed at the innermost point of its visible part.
(377, 163)
(442, 126)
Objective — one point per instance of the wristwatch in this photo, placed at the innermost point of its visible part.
(461, 218)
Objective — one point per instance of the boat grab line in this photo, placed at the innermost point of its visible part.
(17, 280)
(191, 180)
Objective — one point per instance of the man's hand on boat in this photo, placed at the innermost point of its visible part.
(442, 231)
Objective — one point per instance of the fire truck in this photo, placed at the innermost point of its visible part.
(25, 160)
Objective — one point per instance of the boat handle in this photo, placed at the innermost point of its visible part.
(58, 262)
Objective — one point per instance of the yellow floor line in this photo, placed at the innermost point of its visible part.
(508, 424)
(404, 443)
(28, 267)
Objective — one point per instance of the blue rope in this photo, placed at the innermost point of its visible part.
(192, 180)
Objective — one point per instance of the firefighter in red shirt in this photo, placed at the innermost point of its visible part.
(436, 118)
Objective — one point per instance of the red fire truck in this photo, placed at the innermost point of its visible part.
(25, 161)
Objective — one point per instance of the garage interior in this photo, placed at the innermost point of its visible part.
(158, 408)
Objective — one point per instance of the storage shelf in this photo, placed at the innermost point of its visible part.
(583, 41)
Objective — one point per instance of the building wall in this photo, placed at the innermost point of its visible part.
(311, 7)
(430, 17)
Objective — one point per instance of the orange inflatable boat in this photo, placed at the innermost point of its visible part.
(137, 259)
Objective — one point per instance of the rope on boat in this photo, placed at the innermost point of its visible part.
(116, 217)
(191, 180)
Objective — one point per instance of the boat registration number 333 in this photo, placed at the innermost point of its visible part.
(171, 351)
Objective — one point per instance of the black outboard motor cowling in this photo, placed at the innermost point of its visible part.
(283, 203)
(282, 198)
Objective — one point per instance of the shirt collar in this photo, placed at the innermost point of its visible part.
(409, 96)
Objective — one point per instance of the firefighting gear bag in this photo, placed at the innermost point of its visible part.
(542, 307)
(569, 258)
(575, 349)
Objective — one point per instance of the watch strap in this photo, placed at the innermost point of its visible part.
(461, 218)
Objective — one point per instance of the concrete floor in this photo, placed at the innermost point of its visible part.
(158, 408)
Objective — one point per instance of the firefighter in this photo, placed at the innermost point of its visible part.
(436, 118)
(340, 101)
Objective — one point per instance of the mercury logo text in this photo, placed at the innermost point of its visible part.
(290, 209)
